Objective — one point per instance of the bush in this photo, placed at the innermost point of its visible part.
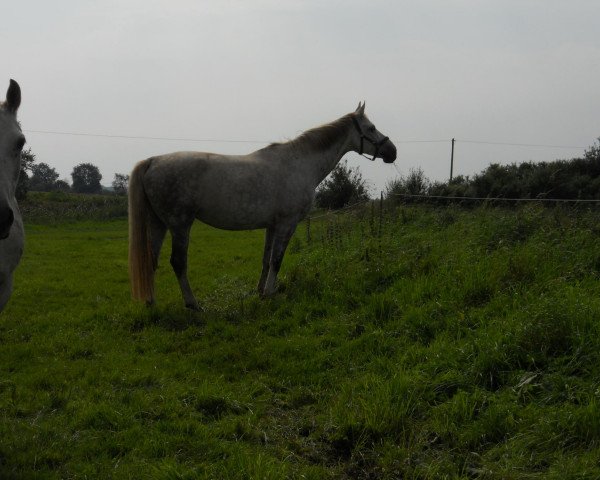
(415, 183)
(344, 186)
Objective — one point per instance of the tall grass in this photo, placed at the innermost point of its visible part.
(419, 343)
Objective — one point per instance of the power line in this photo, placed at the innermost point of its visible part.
(519, 144)
(140, 137)
(175, 139)
(421, 141)
(229, 140)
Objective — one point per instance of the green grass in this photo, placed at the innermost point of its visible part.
(447, 344)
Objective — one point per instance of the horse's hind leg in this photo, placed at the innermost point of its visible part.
(158, 231)
(179, 250)
(266, 260)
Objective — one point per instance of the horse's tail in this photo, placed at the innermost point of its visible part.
(141, 263)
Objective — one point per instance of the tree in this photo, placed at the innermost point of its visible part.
(593, 153)
(43, 178)
(62, 186)
(86, 178)
(27, 160)
(343, 186)
(120, 183)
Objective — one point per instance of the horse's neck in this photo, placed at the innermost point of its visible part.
(322, 162)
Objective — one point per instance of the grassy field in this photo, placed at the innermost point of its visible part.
(446, 343)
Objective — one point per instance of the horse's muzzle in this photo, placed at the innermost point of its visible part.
(388, 152)
(7, 217)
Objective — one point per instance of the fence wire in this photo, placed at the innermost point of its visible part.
(497, 199)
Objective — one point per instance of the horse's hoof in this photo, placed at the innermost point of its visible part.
(264, 295)
(193, 306)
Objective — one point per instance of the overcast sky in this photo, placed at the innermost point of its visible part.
(505, 71)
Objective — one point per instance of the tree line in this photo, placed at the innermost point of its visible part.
(576, 179)
(41, 177)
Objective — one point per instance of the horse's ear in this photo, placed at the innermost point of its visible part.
(13, 96)
(360, 110)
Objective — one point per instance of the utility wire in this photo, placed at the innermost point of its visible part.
(139, 137)
(228, 140)
(212, 140)
(518, 144)
(421, 141)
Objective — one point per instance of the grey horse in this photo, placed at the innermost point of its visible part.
(272, 188)
(12, 235)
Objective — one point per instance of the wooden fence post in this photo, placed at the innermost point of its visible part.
(452, 161)
(372, 220)
(380, 214)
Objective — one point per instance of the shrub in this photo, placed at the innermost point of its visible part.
(343, 186)
(415, 183)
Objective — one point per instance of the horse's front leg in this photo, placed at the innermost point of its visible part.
(266, 260)
(281, 237)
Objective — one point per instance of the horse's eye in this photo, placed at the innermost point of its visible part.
(372, 129)
(20, 143)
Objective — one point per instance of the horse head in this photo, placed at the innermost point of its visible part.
(12, 141)
(368, 140)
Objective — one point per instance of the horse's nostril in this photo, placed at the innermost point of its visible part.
(6, 220)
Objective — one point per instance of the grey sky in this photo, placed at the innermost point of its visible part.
(501, 71)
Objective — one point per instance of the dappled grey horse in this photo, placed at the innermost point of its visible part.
(11, 225)
(271, 188)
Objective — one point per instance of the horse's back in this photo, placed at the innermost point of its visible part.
(187, 177)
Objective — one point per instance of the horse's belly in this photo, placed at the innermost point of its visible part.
(240, 218)
(255, 209)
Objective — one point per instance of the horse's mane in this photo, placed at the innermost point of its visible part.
(318, 138)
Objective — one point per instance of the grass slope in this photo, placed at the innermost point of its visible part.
(450, 344)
